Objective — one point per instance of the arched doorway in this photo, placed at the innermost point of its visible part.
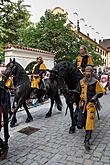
(29, 67)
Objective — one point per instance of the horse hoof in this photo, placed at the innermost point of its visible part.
(13, 123)
(59, 107)
(72, 130)
(28, 120)
(48, 115)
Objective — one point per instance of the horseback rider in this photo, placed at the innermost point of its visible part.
(83, 59)
(38, 72)
(90, 90)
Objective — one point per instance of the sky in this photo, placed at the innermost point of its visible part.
(95, 13)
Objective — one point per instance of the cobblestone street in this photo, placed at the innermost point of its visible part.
(53, 145)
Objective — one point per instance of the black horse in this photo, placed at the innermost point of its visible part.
(67, 77)
(22, 88)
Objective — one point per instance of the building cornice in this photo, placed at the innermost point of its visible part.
(19, 47)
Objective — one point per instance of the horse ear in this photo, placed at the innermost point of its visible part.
(13, 59)
(10, 60)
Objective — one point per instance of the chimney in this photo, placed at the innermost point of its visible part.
(99, 41)
(78, 28)
(87, 34)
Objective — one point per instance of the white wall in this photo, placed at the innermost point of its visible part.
(24, 57)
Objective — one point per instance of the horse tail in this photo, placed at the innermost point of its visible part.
(66, 110)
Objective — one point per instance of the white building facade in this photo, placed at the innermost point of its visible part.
(25, 56)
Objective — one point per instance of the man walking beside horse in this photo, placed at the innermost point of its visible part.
(90, 90)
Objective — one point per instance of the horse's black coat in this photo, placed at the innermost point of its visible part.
(23, 89)
(68, 77)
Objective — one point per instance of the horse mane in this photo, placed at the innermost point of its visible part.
(20, 69)
(20, 75)
(69, 73)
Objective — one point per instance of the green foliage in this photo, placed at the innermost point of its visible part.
(1, 53)
(13, 16)
(53, 34)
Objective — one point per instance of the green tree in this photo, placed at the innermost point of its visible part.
(13, 16)
(52, 33)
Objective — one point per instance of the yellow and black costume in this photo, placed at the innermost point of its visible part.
(38, 73)
(89, 93)
(83, 61)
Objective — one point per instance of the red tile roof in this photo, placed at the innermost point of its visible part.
(27, 48)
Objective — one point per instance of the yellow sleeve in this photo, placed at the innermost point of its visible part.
(79, 61)
(42, 67)
(90, 61)
(99, 88)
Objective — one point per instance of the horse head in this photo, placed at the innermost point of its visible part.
(10, 68)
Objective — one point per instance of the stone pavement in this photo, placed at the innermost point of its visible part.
(53, 145)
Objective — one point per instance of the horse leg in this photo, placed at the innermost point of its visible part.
(49, 113)
(29, 116)
(76, 111)
(73, 121)
(58, 101)
(14, 120)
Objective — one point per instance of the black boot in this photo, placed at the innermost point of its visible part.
(87, 139)
(87, 146)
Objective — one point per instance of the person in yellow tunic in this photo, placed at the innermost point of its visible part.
(38, 72)
(90, 90)
(83, 59)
